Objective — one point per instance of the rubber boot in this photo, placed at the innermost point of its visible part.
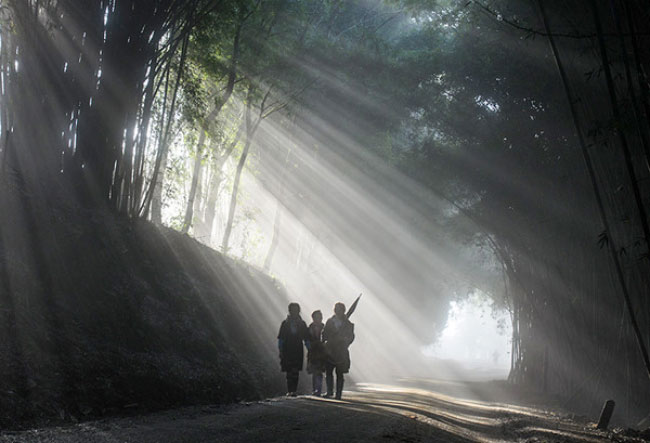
(317, 384)
(339, 386)
(292, 383)
(329, 381)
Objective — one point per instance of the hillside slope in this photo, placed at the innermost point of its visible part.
(100, 315)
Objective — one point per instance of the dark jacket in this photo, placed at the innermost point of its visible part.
(316, 356)
(290, 338)
(337, 341)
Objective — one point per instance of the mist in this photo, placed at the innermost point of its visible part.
(477, 171)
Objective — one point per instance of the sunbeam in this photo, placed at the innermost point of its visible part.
(470, 177)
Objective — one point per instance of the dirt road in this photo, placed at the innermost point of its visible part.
(374, 413)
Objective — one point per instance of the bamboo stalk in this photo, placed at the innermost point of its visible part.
(594, 182)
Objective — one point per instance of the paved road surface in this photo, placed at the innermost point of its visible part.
(374, 413)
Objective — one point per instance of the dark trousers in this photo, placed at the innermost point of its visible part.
(329, 379)
(317, 383)
(292, 381)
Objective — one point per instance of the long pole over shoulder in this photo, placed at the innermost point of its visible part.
(353, 307)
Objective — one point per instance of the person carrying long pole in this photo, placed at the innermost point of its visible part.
(338, 335)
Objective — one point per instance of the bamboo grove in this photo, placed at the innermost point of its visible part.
(530, 119)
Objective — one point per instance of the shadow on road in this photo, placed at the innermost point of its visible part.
(373, 413)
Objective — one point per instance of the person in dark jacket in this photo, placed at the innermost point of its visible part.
(338, 334)
(316, 356)
(293, 332)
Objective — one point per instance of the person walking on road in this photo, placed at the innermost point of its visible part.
(293, 332)
(338, 334)
(316, 356)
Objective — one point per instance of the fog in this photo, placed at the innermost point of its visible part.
(458, 164)
(341, 233)
(475, 337)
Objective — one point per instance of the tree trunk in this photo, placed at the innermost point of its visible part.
(642, 78)
(203, 230)
(230, 85)
(251, 128)
(141, 146)
(199, 198)
(155, 188)
(276, 237)
(115, 105)
(156, 197)
(278, 217)
(636, 109)
(209, 212)
(627, 155)
(196, 177)
(235, 190)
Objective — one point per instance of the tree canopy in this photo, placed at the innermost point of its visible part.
(429, 148)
